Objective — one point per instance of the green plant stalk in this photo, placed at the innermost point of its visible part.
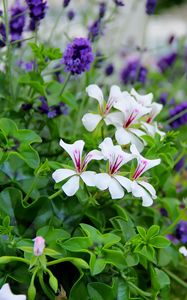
(45, 289)
(30, 190)
(142, 293)
(65, 83)
(9, 50)
(176, 278)
(55, 195)
(54, 27)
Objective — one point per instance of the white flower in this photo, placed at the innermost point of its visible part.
(6, 294)
(39, 245)
(146, 100)
(127, 121)
(75, 152)
(111, 180)
(183, 250)
(152, 129)
(90, 120)
(140, 188)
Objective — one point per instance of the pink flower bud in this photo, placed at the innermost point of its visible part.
(39, 245)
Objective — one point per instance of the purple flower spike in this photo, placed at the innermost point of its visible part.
(102, 10)
(150, 6)
(163, 98)
(109, 70)
(181, 120)
(94, 30)
(167, 61)
(134, 72)
(70, 15)
(181, 232)
(78, 56)
(17, 21)
(37, 11)
(66, 3)
(119, 3)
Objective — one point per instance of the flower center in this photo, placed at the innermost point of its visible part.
(109, 105)
(140, 169)
(115, 163)
(131, 118)
(77, 159)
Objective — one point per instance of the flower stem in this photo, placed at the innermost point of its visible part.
(45, 289)
(175, 277)
(54, 27)
(55, 195)
(30, 190)
(65, 83)
(170, 228)
(172, 119)
(142, 293)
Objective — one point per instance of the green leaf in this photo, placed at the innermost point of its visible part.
(97, 264)
(142, 232)
(77, 244)
(152, 231)
(100, 291)
(159, 242)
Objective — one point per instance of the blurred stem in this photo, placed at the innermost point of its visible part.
(175, 277)
(55, 195)
(180, 156)
(176, 116)
(65, 83)
(170, 228)
(9, 50)
(55, 25)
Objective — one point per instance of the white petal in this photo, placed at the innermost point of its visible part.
(115, 95)
(102, 181)
(107, 147)
(140, 192)
(155, 110)
(88, 177)
(122, 136)
(143, 99)
(92, 155)
(183, 250)
(125, 182)
(115, 118)
(95, 92)
(115, 189)
(152, 129)
(136, 141)
(62, 174)
(6, 294)
(90, 121)
(74, 150)
(149, 188)
(71, 186)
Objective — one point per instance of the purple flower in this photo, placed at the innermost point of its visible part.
(163, 212)
(163, 98)
(2, 35)
(71, 15)
(150, 6)
(172, 238)
(27, 66)
(180, 164)
(54, 110)
(167, 61)
(95, 30)
(181, 232)
(66, 3)
(102, 10)
(78, 56)
(17, 21)
(134, 72)
(37, 11)
(181, 120)
(119, 2)
(109, 70)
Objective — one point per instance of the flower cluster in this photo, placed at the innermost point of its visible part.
(134, 117)
(112, 180)
(37, 11)
(17, 21)
(78, 56)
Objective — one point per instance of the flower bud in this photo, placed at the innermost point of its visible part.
(39, 245)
